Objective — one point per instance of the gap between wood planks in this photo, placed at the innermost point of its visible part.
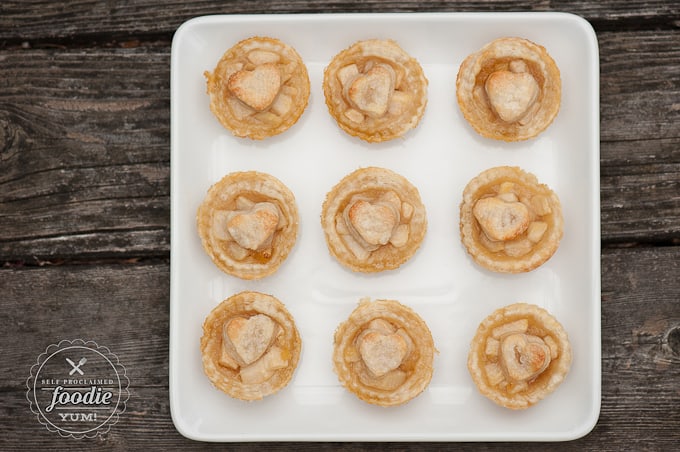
(137, 260)
(164, 39)
(164, 258)
(91, 41)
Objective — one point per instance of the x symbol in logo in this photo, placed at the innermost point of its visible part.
(76, 368)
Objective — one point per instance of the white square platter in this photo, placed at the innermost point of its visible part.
(440, 282)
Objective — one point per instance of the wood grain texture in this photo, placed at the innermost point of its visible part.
(125, 308)
(85, 153)
(84, 147)
(122, 306)
(640, 85)
(640, 136)
(90, 19)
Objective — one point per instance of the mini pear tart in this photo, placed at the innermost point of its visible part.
(383, 353)
(248, 224)
(375, 90)
(259, 88)
(373, 220)
(509, 222)
(519, 355)
(509, 90)
(250, 346)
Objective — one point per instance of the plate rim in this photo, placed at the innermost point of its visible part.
(588, 424)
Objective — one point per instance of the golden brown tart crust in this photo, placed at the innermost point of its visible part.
(250, 346)
(259, 88)
(375, 90)
(519, 354)
(373, 220)
(509, 222)
(384, 353)
(248, 224)
(509, 90)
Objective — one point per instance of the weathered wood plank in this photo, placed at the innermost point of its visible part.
(125, 308)
(639, 85)
(640, 348)
(84, 148)
(640, 133)
(88, 19)
(640, 178)
(120, 306)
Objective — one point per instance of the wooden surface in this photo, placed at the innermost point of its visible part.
(85, 207)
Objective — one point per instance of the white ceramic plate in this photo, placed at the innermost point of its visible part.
(440, 282)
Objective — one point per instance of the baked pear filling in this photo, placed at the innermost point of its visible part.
(250, 346)
(373, 220)
(383, 353)
(519, 354)
(375, 90)
(509, 222)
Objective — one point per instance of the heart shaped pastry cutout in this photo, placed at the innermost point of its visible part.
(511, 94)
(253, 228)
(250, 337)
(524, 356)
(371, 92)
(373, 222)
(382, 353)
(501, 220)
(256, 88)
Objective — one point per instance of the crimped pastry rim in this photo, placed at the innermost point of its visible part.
(239, 128)
(389, 132)
(467, 220)
(391, 258)
(419, 332)
(285, 242)
(479, 120)
(253, 302)
(559, 367)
